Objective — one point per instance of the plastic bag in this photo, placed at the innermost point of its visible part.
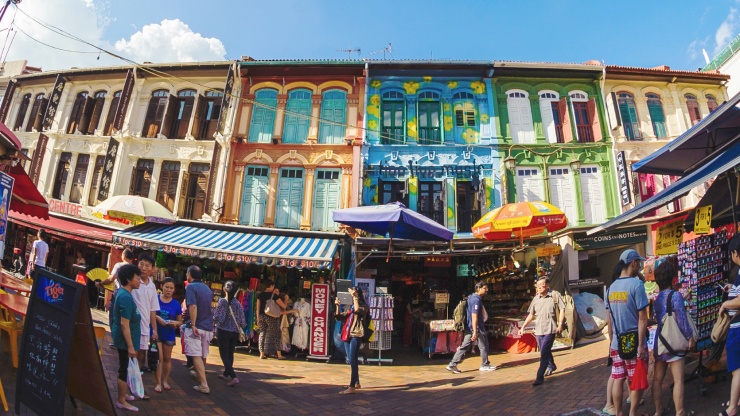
(640, 379)
(133, 380)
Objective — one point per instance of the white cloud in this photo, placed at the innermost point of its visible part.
(726, 31)
(695, 47)
(170, 41)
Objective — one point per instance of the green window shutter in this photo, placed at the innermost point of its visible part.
(297, 117)
(629, 119)
(290, 198)
(263, 117)
(333, 109)
(429, 123)
(326, 200)
(657, 118)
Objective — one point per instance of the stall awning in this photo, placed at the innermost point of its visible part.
(66, 229)
(26, 198)
(233, 243)
(721, 196)
(720, 164)
(699, 144)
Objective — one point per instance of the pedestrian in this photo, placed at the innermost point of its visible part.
(169, 318)
(126, 330)
(199, 334)
(627, 304)
(127, 257)
(475, 331)
(664, 275)
(230, 321)
(148, 303)
(269, 327)
(353, 331)
(545, 307)
(731, 306)
(39, 253)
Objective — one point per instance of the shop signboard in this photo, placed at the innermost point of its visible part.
(51, 108)
(615, 238)
(108, 164)
(625, 195)
(7, 98)
(6, 189)
(668, 237)
(703, 220)
(548, 251)
(437, 261)
(464, 270)
(120, 114)
(38, 158)
(591, 282)
(320, 331)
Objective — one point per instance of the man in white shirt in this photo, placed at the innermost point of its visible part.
(147, 303)
(39, 252)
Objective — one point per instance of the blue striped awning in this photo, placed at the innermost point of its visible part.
(231, 244)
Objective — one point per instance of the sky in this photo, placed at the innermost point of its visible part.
(627, 32)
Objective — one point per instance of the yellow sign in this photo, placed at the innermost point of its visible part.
(548, 251)
(703, 220)
(668, 238)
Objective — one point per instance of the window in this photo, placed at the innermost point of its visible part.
(297, 116)
(325, 200)
(468, 208)
(393, 191)
(521, 126)
(429, 118)
(552, 120)
(254, 195)
(168, 180)
(155, 113)
(141, 178)
(592, 190)
(92, 199)
(96, 111)
(628, 112)
(562, 193)
(657, 117)
(37, 113)
(431, 201)
(108, 128)
(333, 110)
(60, 179)
(263, 116)
(711, 102)
(464, 106)
(22, 108)
(76, 117)
(193, 195)
(392, 114)
(584, 112)
(529, 185)
(693, 108)
(78, 179)
(289, 198)
(177, 118)
(206, 118)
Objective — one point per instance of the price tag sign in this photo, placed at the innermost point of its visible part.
(669, 236)
(703, 220)
(441, 297)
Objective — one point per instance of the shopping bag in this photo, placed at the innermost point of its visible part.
(640, 380)
(133, 380)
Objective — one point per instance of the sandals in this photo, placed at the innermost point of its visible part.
(609, 410)
(357, 386)
(349, 390)
(158, 389)
(125, 407)
(167, 387)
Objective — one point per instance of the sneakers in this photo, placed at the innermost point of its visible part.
(453, 369)
(233, 382)
(488, 367)
(550, 370)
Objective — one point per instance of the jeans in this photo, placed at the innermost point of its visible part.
(544, 343)
(467, 342)
(352, 347)
(226, 345)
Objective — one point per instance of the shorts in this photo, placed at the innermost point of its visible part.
(122, 365)
(619, 365)
(167, 342)
(197, 346)
(144, 342)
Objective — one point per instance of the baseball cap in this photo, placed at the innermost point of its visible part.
(628, 256)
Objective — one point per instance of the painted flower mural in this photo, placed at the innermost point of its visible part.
(452, 85)
(427, 79)
(484, 118)
(411, 87)
(376, 83)
(448, 123)
(478, 87)
(375, 99)
(372, 125)
(373, 110)
(470, 136)
(411, 128)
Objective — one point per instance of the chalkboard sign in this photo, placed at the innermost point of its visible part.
(58, 350)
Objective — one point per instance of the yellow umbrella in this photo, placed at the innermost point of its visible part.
(522, 219)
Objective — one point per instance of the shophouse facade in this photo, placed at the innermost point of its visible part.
(295, 149)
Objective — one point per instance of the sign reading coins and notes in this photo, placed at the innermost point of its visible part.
(59, 354)
(703, 220)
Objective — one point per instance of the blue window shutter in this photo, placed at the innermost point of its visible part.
(326, 201)
(254, 198)
(263, 117)
(290, 199)
(333, 109)
(297, 117)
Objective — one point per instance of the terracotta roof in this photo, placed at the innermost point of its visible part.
(665, 70)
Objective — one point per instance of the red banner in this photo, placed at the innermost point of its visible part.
(320, 332)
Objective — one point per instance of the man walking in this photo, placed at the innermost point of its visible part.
(199, 333)
(544, 307)
(475, 331)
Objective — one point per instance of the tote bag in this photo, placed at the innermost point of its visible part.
(670, 338)
(271, 308)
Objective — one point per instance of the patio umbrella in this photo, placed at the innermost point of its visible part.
(130, 209)
(394, 220)
(522, 219)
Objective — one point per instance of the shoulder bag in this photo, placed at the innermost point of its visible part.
(271, 308)
(242, 335)
(670, 338)
(627, 341)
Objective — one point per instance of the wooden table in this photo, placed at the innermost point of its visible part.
(15, 303)
(12, 283)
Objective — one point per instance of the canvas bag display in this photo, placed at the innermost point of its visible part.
(670, 338)
(242, 335)
(627, 341)
(271, 308)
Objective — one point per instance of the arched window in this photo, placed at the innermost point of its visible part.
(628, 112)
(711, 102)
(552, 116)
(37, 113)
(78, 111)
(463, 103)
(429, 116)
(334, 111)
(657, 116)
(110, 118)
(155, 113)
(392, 114)
(692, 106)
(584, 112)
(96, 111)
(521, 126)
(297, 116)
(263, 116)
(208, 113)
(22, 109)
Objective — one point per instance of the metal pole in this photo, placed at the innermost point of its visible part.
(732, 204)
(5, 8)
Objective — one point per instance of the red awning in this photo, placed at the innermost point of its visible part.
(27, 199)
(64, 228)
(9, 137)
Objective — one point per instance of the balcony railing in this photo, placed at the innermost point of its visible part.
(434, 215)
(189, 209)
(466, 219)
(430, 135)
(391, 135)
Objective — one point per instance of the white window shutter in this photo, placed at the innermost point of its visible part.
(548, 121)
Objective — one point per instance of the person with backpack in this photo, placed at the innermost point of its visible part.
(474, 331)
(545, 307)
(353, 332)
(670, 305)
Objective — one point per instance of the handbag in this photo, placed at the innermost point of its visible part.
(670, 338)
(271, 308)
(133, 378)
(627, 341)
(721, 327)
(242, 335)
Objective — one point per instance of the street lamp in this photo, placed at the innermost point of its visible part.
(575, 165)
(510, 163)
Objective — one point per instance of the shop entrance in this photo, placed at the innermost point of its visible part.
(468, 209)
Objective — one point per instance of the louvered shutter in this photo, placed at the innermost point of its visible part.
(200, 108)
(182, 198)
(562, 194)
(564, 111)
(165, 126)
(96, 114)
(594, 207)
(39, 119)
(548, 121)
(132, 184)
(593, 116)
(655, 109)
(87, 112)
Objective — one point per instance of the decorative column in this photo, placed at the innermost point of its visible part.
(154, 182)
(277, 135)
(347, 190)
(70, 177)
(412, 122)
(643, 115)
(703, 105)
(313, 129)
(448, 120)
(307, 198)
(580, 209)
(679, 106)
(85, 199)
(539, 129)
(272, 196)
(233, 205)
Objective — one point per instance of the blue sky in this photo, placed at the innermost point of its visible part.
(636, 33)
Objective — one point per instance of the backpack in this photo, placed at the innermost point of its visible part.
(460, 315)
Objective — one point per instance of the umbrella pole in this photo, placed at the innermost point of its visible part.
(390, 243)
(732, 204)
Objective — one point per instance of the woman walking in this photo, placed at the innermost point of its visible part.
(269, 327)
(125, 328)
(353, 330)
(230, 321)
(169, 317)
(664, 275)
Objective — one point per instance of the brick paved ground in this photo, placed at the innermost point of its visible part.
(412, 385)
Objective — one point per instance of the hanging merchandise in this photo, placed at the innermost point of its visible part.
(381, 315)
(302, 323)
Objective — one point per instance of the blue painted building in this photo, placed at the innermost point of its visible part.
(429, 130)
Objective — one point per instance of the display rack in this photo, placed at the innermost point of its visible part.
(380, 306)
